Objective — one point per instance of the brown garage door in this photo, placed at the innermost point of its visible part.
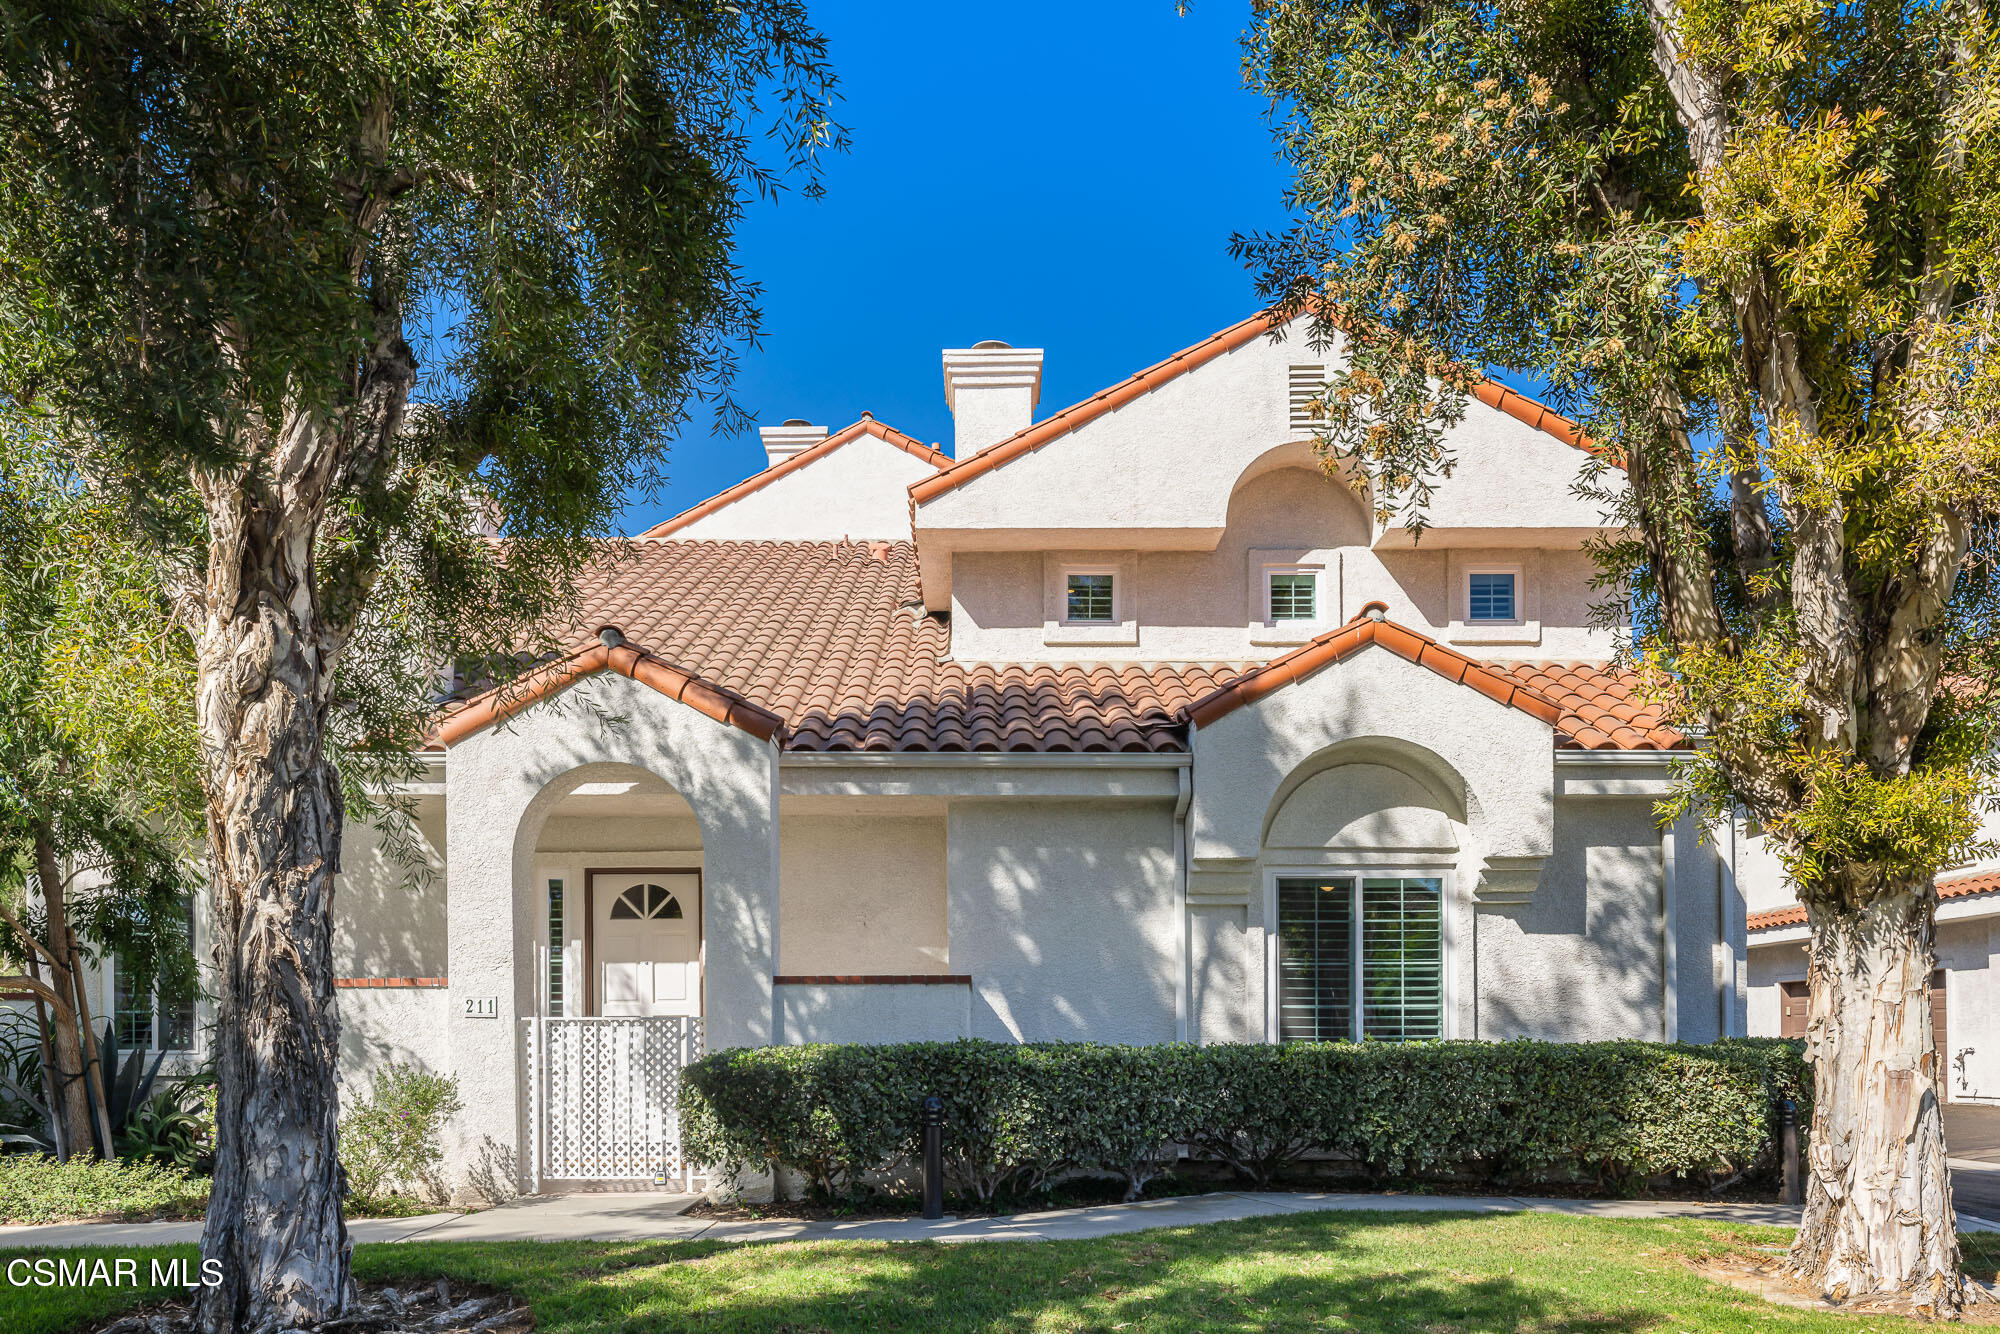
(1796, 1000)
(1939, 1034)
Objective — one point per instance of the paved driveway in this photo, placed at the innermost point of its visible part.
(1972, 1138)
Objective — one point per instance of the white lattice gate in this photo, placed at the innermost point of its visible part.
(605, 1098)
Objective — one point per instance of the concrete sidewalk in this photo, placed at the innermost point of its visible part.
(662, 1217)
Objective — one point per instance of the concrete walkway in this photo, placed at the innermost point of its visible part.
(662, 1217)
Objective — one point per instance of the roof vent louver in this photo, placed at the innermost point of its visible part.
(1303, 387)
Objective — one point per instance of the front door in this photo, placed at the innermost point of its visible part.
(646, 943)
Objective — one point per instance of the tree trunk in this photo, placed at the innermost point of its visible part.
(72, 1096)
(1878, 1222)
(274, 1214)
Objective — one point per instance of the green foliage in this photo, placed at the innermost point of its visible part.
(176, 1125)
(97, 736)
(35, 1188)
(394, 1138)
(415, 276)
(1755, 249)
(1617, 1113)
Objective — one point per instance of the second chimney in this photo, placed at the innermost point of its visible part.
(795, 436)
(992, 390)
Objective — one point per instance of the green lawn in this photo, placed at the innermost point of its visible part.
(1427, 1273)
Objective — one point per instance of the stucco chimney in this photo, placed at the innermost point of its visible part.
(992, 390)
(791, 437)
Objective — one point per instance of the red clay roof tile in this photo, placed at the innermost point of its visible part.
(1953, 885)
(826, 644)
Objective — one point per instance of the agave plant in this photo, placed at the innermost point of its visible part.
(25, 1123)
(128, 1080)
(172, 1126)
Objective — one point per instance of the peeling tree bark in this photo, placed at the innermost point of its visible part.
(274, 1218)
(1878, 1218)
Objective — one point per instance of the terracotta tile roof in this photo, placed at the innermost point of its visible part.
(832, 638)
(1365, 629)
(1602, 709)
(826, 645)
(1956, 885)
(909, 444)
(1489, 392)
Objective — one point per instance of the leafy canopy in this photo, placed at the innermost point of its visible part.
(97, 753)
(237, 237)
(1755, 246)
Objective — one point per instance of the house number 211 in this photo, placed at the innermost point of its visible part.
(482, 1007)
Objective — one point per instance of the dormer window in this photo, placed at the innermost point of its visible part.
(1089, 600)
(1492, 597)
(1294, 596)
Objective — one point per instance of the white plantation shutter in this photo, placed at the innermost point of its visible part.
(1402, 958)
(1360, 957)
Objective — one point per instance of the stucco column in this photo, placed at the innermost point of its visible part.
(487, 927)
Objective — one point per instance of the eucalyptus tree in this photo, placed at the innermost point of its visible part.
(321, 292)
(1753, 244)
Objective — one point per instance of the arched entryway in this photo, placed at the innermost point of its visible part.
(618, 865)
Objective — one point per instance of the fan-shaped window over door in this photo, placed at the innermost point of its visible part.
(645, 943)
(647, 903)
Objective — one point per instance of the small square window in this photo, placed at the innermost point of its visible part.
(1089, 598)
(1490, 597)
(1294, 597)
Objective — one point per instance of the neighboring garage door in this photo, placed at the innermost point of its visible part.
(1792, 1023)
(1938, 1032)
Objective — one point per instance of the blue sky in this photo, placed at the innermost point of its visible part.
(1064, 176)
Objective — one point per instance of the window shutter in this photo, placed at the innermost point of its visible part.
(1402, 959)
(1305, 384)
(1316, 960)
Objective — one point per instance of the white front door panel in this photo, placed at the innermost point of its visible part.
(646, 943)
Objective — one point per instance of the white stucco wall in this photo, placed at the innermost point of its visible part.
(383, 1026)
(903, 1012)
(1501, 758)
(862, 895)
(859, 490)
(1210, 604)
(1214, 422)
(501, 785)
(1064, 914)
(388, 915)
(1582, 960)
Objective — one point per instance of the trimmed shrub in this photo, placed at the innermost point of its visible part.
(1616, 1114)
(395, 1137)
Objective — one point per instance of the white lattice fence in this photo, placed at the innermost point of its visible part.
(605, 1097)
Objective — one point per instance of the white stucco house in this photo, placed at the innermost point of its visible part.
(1124, 723)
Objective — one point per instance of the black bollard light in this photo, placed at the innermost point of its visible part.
(1795, 1186)
(933, 1122)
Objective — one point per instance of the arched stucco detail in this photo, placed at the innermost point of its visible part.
(1376, 705)
(1362, 805)
(502, 783)
(1301, 454)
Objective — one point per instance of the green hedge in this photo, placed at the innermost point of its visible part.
(1017, 1116)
